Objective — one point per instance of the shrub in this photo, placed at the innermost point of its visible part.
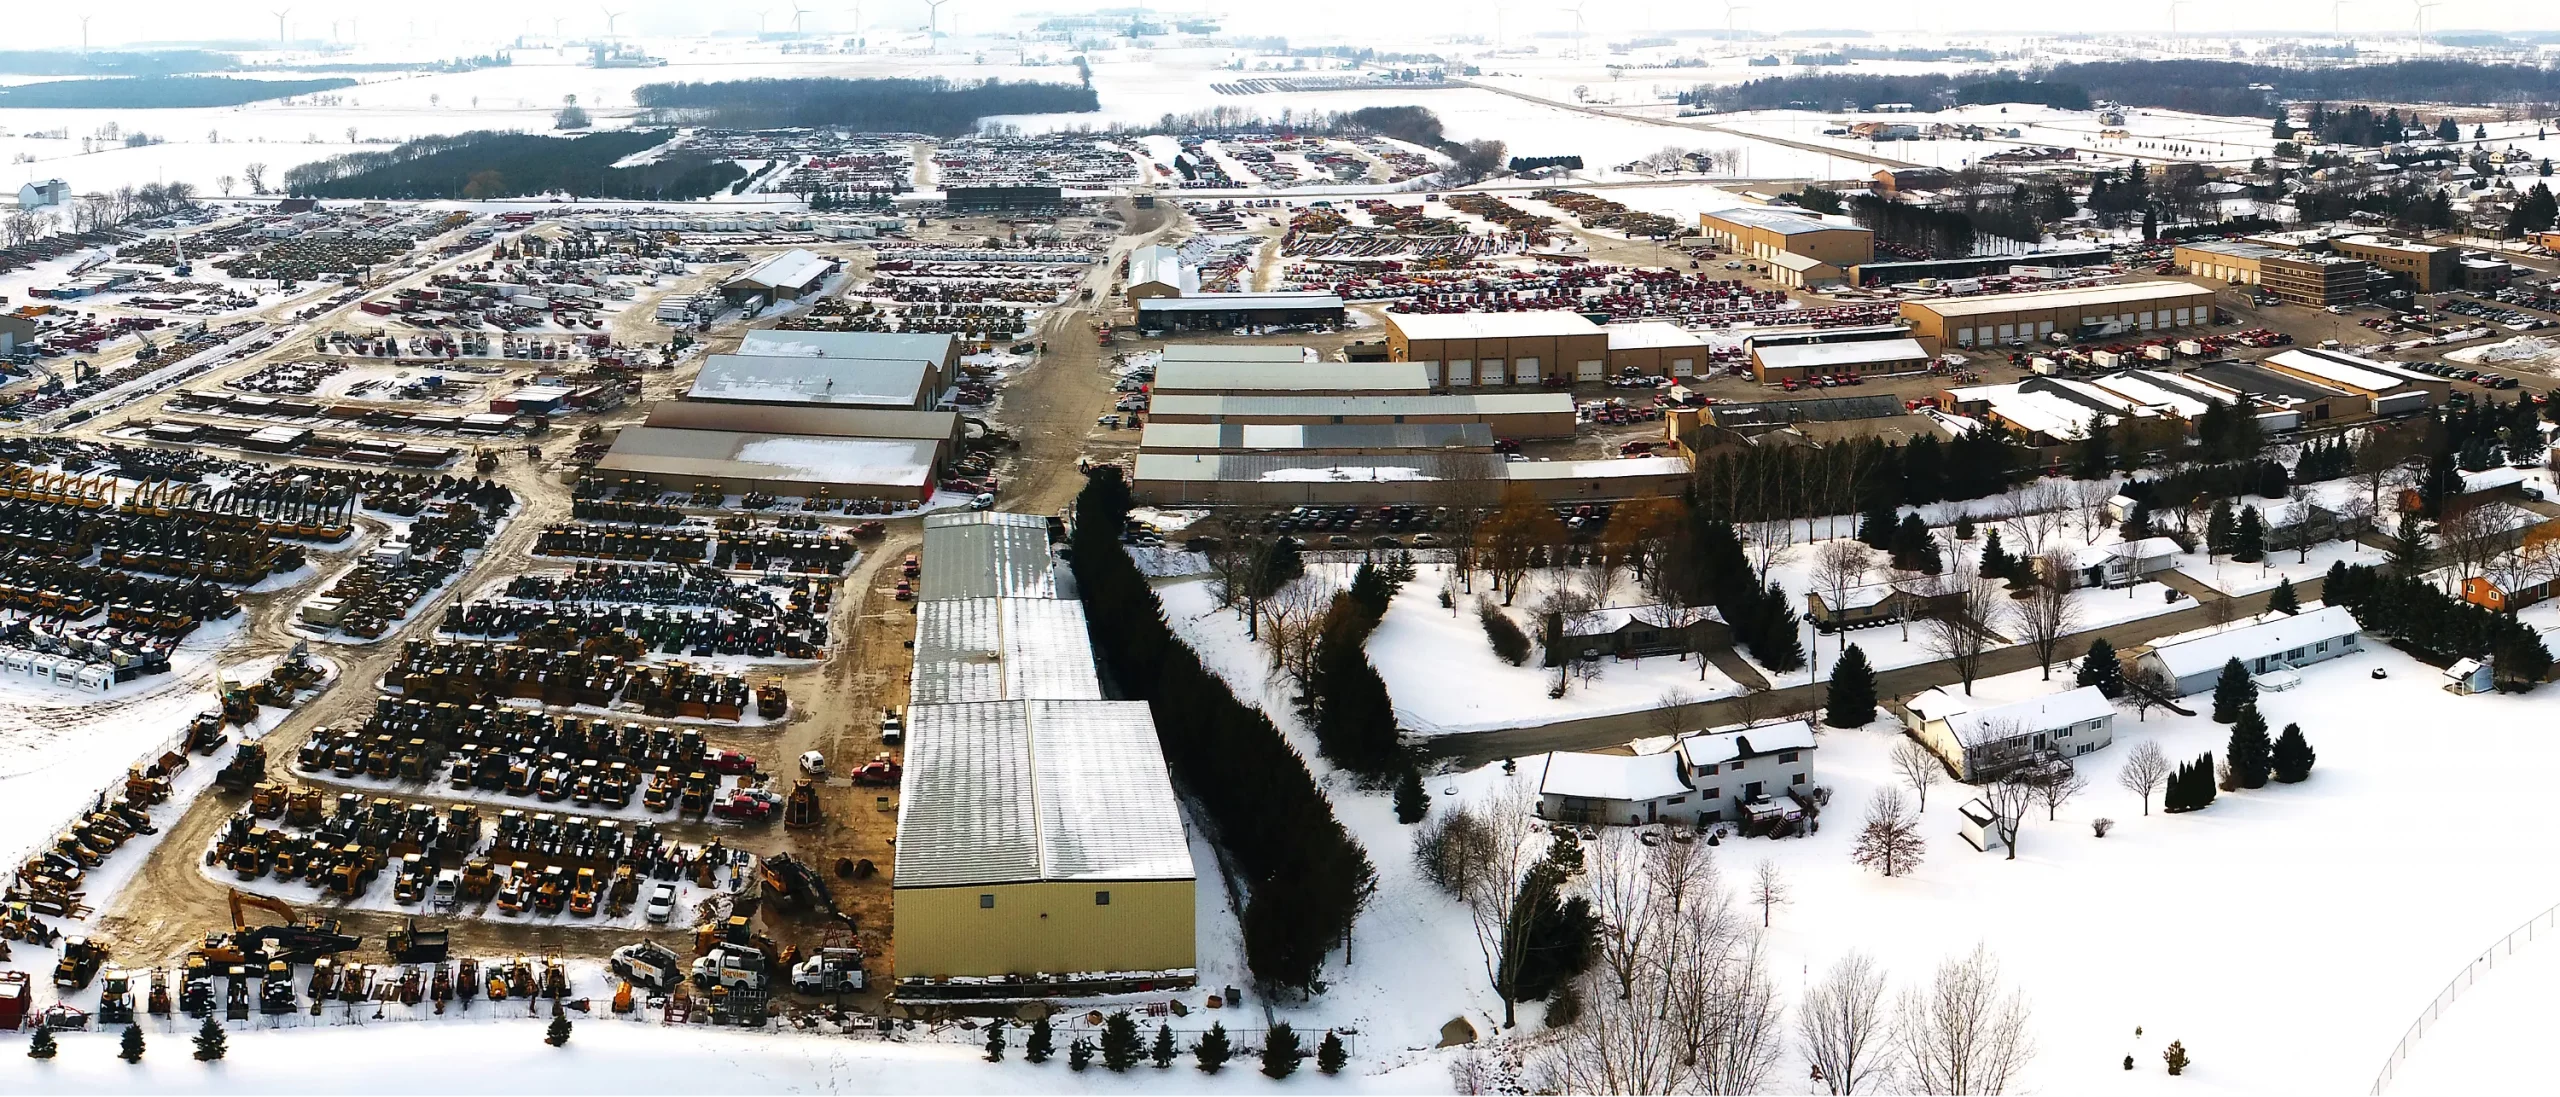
(1509, 643)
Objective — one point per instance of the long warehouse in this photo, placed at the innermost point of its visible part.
(2007, 319)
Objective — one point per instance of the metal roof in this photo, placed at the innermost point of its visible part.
(1491, 325)
(1504, 403)
(766, 379)
(1164, 437)
(1825, 355)
(1193, 376)
(987, 555)
(1777, 221)
(799, 268)
(826, 422)
(1162, 265)
(2338, 369)
(1003, 792)
(2128, 294)
(1647, 334)
(1003, 649)
(1603, 469)
(933, 347)
(1221, 352)
(1296, 468)
(1222, 302)
(783, 458)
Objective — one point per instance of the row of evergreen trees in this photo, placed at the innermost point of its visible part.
(1121, 1049)
(2433, 624)
(1905, 538)
(2253, 758)
(1354, 718)
(1762, 617)
(1767, 482)
(1306, 879)
(2190, 786)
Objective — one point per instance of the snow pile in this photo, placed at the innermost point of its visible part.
(2523, 351)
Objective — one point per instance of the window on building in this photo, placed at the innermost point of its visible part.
(1715, 794)
(1708, 770)
(2062, 734)
(986, 901)
(1798, 780)
(1675, 800)
(1787, 756)
(2321, 646)
(1102, 898)
(1737, 765)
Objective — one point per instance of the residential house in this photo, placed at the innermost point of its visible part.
(1979, 741)
(1632, 632)
(2122, 564)
(2275, 643)
(1871, 604)
(1759, 777)
(2488, 593)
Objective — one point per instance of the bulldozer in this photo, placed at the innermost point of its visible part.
(801, 812)
(81, 958)
(248, 767)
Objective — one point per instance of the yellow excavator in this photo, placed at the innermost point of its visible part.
(291, 939)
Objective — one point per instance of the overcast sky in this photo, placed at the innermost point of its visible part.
(37, 23)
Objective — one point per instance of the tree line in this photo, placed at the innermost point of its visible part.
(487, 164)
(152, 92)
(931, 105)
(1306, 878)
(2203, 87)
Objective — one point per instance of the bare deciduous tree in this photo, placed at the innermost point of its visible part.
(1842, 1029)
(2034, 514)
(1838, 568)
(1965, 1033)
(1669, 715)
(1919, 767)
(2147, 688)
(1293, 625)
(1619, 877)
(2056, 784)
(1890, 842)
(2008, 799)
(1964, 625)
(2091, 496)
(2143, 770)
(1768, 889)
(2048, 612)
(1491, 890)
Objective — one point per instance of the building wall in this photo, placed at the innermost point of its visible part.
(1559, 424)
(1723, 792)
(1841, 246)
(1660, 361)
(1044, 926)
(2033, 323)
(2069, 740)
(2427, 271)
(1767, 374)
(1267, 493)
(1480, 363)
(2204, 680)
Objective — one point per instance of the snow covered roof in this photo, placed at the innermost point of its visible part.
(1267, 467)
(1774, 220)
(1216, 352)
(1491, 325)
(2271, 637)
(903, 463)
(2148, 548)
(984, 554)
(1611, 776)
(2127, 294)
(1162, 437)
(832, 381)
(2053, 710)
(1488, 403)
(1602, 469)
(1789, 260)
(1819, 356)
(1648, 334)
(2490, 479)
(1715, 748)
(1175, 375)
(798, 268)
(1162, 265)
(1021, 791)
(776, 343)
(1003, 649)
(2340, 369)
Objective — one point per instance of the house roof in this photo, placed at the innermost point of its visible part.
(2148, 548)
(1715, 748)
(2270, 637)
(2053, 710)
(1611, 776)
(1022, 791)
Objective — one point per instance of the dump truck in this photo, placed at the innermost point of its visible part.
(411, 945)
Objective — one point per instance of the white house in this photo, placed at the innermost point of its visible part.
(43, 192)
(2121, 564)
(1981, 741)
(1728, 776)
(2275, 643)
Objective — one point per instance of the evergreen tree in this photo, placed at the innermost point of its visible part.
(1876, 527)
(1120, 1046)
(130, 1048)
(2249, 749)
(211, 1044)
(995, 1040)
(1556, 933)
(1162, 1053)
(1330, 1056)
(2100, 668)
(2284, 600)
(1369, 588)
(558, 1034)
(2137, 522)
(1079, 1053)
(1777, 645)
(1213, 1051)
(2447, 131)
(1996, 561)
(1280, 1051)
(2273, 481)
(2232, 692)
(1924, 478)
(1039, 1047)
(1912, 543)
(1852, 701)
(2408, 556)
(1964, 526)
(1281, 564)
(42, 1047)
(1412, 801)
(2219, 527)
(2203, 782)
(2091, 458)
(2442, 481)
(2289, 761)
(2249, 537)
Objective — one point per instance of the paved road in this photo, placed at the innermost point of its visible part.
(1603, 732)
(1708, 127)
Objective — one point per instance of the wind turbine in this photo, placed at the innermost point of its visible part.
(1729, 8)
(84, 35)
(2336, 24)
(796, 13)
(933, 16)
(1576, 11)
(2422, 6)
(280, 24)
(2174, 5)
(760, 14)
(857, 26)
(610, 16)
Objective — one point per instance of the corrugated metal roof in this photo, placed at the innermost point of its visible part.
(1602, 469)
(1293, 468)
(784, 458)
(933, 347)
(1777, 221)
(1224, 352)
(1524, 403)
(823, 422)
(987, 555)
(798, 268)
(1165, 437)
(1827, 355)
(2128, 294)
(1221, 302)
(1003, 649)
(873, 382)
(1191, 376)
(1021, 791)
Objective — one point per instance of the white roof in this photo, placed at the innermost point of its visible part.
(2499, 477)
(2344, 369)
(1646, 334)
(1492, 325)
(2143, 391)
(798, 267)
(1156, 263)
(932, 347)
(1229, 352)
(1601, 469)
(1193, 376)
(1612, 776)
(1003, 649)
(1019, 791)
(854, 382)
(792, 458)
(2053, 710)
(2148, 548)
(2041, 412)
(1715, 748)
(1792, 261)
(1493, 403)
(1825, 355)
(2131, 294)
(1775, 220)
(2271, 637)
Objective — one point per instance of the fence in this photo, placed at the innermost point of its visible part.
(2488, 960)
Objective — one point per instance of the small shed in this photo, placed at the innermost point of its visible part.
(2469, 676)
(1978, 825)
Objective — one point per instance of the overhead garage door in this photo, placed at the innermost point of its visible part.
(1683, 367)
(1524, 371)
(1489, 371)
(1462, 372)
(1587, 371)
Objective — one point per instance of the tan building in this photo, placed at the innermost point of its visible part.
(1766, 232)
(1511, 415)
(1417, 477)
(1865, 357)
(1192, 377)
(1463, 349)
(2014, 319)
(2295, 277)
(2391, 389)
(2425, 267)
(1657, 348)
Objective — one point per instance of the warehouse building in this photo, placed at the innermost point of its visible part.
(1267, 354)
(944, 427)
(1002, 199)
(1827, 249)
(1483, 349)
(16, 331)
(1230, 311)
(2050, 411)
(1898, 271)
(1860, 357)
(1657, 348)
(2010, 319)
(1282, 479)
(2425, 268)
(788, 276)
(941, 350)
(818, 382)
(1192, 377)
(897, 470)
(2311, 403)
(1346, 439)
(1039, 841)
(1510, 415)
(2295, 277)
(2393, 390)
(1157, 270)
